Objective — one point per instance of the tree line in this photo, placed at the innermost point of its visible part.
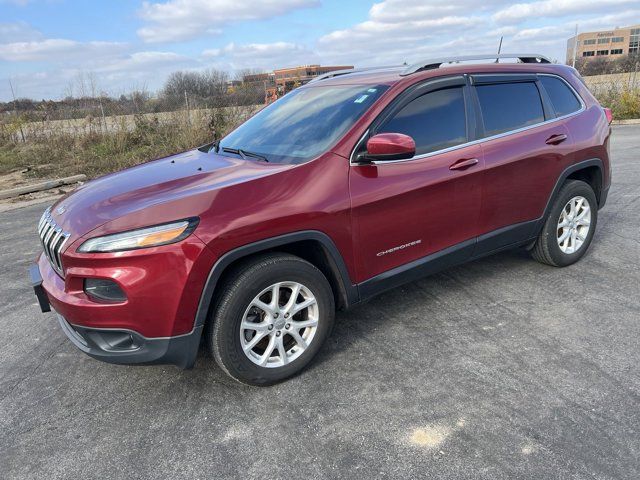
(181, 90)
(588, 66)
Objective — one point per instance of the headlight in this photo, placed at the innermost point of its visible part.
(141, 238)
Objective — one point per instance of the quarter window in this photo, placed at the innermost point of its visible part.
(562, 98)
(509, 106)
(435, 120)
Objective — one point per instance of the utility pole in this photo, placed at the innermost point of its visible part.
(15, 111)
(575, 47)
(104, 120)
(186, 102)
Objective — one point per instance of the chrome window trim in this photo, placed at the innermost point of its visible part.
(583, 107)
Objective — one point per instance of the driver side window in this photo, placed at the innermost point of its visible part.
(435, 120)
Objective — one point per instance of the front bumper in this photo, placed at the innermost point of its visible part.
(123, 346)
(130, 348)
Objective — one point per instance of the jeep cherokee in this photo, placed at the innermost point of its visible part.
(353, 184)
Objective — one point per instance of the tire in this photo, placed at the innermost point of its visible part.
(550, 247)
(247, 299)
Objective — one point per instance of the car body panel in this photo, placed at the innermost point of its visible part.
(520, 172)
(410, 209)
(162, 285)
(362, 210)
(136, 197)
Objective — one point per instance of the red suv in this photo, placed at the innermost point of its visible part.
(348, 186)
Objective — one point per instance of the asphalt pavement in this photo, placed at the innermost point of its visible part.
(499, 369)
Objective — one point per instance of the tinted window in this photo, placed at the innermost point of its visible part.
(435, 120)
(304, 123)
(563, 100)
(509, 106)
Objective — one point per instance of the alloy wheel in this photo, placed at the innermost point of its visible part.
(573, 225)
(279, 324)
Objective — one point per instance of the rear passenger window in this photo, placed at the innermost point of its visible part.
(509, 106)
(562, 98)
(435, 120)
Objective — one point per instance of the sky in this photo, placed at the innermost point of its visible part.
(46, 46)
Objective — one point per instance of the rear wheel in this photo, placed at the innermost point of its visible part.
(569, 228)
(271, 319)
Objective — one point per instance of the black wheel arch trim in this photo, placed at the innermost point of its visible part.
(592, 162)
(350, 290)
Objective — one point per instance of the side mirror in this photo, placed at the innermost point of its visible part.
(389, 146)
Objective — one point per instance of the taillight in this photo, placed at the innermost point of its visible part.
(608, 114)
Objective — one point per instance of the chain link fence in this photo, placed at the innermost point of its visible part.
(101, 134)
(33, 121)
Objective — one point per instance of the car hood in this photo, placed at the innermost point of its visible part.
(162, 182)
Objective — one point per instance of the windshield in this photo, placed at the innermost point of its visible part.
(302, 124)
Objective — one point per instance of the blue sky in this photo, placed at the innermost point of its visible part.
(46, 46)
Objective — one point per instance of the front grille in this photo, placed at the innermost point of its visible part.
(53, 240)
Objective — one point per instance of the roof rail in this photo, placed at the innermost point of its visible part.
(337, 73)
(437, 62)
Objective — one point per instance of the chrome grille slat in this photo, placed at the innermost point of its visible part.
(47, 240)
(53, 240)
(65, 237)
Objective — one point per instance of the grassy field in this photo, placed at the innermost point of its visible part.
(49, 153)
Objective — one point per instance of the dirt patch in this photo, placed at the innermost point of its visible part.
(430, 437)
(21, 178)
(14, 179)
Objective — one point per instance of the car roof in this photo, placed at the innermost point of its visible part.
(403, 74)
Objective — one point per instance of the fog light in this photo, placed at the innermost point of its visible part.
(104, 290)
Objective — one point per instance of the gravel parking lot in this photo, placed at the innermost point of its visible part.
(503, 368)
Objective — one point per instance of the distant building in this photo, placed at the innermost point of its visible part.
(289, 78)
(264, 80)
(608, 43)
(232, 85)
(284, 80)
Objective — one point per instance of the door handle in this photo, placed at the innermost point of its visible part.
(464, 164)
(556, 139)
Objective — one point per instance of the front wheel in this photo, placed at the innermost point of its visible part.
(272, 317)
(569, 228)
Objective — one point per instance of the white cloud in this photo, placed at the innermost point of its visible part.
(18, 32)
(144, 64)
(555, 8)
(405, 30)
(120, 73)
(392, 32)
(264, 56)
(56, 49)
(400, 30)
(176, 20)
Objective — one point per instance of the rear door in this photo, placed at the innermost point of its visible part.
(524, 148)
(405, 210)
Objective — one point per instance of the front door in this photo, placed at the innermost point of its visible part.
(406, 210)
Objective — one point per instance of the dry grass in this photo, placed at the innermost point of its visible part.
(624, 103)
(622, 98)
(51, 153)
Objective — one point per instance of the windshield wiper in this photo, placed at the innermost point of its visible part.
(244, 153)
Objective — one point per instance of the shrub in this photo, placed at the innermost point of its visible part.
(94, 147)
